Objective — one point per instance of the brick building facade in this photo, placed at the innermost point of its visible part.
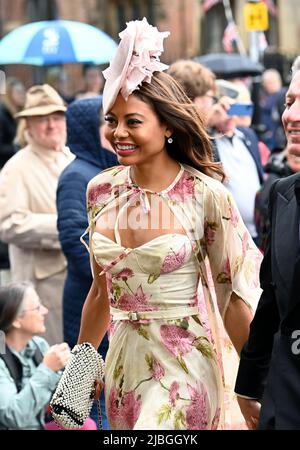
(192, 31)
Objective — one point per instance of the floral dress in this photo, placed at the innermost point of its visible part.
(164, 363)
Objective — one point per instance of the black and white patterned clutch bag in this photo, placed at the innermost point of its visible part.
(74, 395)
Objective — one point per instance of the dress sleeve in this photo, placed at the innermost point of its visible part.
(98, 194)
(234, 258)
(86, 236)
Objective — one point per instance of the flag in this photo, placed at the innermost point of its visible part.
(230, 36)
(272, 8)
(262, 42)
(207, 4)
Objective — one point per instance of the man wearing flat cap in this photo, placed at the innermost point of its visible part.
(28, 216)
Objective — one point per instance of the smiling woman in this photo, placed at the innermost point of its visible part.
(134, 131)
(151, 285)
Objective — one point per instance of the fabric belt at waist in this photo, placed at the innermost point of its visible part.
(172, 313)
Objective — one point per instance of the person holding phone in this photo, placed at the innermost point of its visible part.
(236, 146)
(226, 109)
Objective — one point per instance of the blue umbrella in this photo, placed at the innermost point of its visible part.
(56, 42)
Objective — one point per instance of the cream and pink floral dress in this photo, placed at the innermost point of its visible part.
(164, 363)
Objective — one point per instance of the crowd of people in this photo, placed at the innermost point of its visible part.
(178, 200)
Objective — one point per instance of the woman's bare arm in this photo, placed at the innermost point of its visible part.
(95, 316)
(237, 322)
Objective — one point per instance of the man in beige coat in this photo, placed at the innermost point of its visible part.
(28, 216)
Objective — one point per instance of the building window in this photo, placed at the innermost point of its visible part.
(272, 32)
(121, 11)
(41, 10)
(213, 24)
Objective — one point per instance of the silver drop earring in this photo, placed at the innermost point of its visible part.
(170, 140)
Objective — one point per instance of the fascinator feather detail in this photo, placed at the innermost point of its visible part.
(135, 61)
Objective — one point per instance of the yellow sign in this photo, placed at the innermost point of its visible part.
(256, 16)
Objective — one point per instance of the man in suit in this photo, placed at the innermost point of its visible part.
(268, 381)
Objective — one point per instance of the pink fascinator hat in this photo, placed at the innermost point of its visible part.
(136, 58)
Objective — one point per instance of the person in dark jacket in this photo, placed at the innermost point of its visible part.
(12, 102)
(239, 153)
(271, 91)
(83, 128)
(280, 165)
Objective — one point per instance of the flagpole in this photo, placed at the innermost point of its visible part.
(254, 44)
(229, 18)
